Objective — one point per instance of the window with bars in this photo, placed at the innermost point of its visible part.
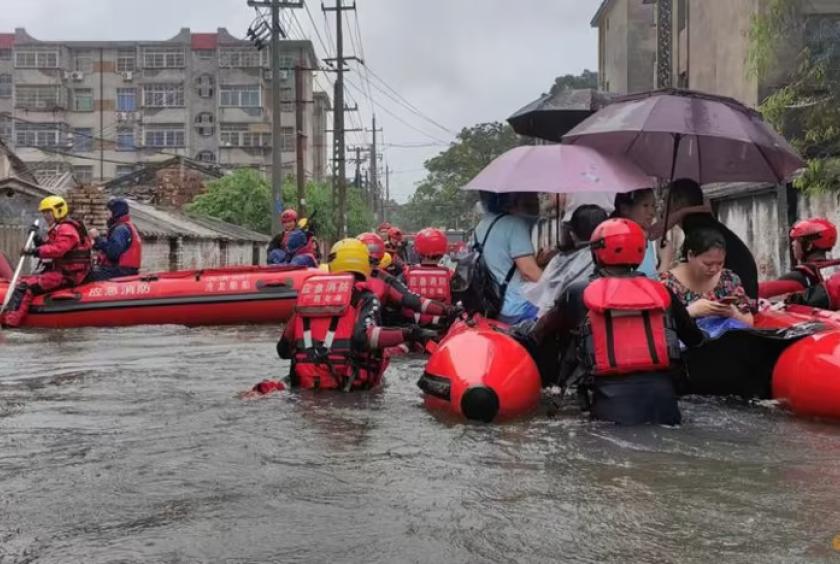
(83, 61)
(7, 129)
(163, 95)
(126, 60)
(204, 124)
(126, 99)
(38, 134)
(165, 136)
(205, 54)
(83, 173)
(5, 86)
(83, 100)
(125, 140)
(206, 157)
(163, 58)
(242, 57)
(238, 135)
(82, 140)
(36, 59)
(287, 100)
(240, 96)
(287, 139)
(38, 97)
(204, 85)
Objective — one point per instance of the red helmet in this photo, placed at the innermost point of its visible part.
(395, 234)
(384, 226)
(375, 245)
(431, 242)
(288, 215)
(619, 242)
(818, 232)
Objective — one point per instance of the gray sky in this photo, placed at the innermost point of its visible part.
(460, 62)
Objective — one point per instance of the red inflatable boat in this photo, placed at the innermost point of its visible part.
(480, 373)
(218, 296)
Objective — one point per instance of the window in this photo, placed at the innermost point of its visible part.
(5, 86)
(204, 85)
(240, 57)
(38, 134)
(287, 139)
(82, 140)
(205, 54)
(5, 54)
(125, 140)
(83, 173)
(126, 99)
(204, 124)
(124, 169)
(38, 97)
(83, 61)
(6, 128)
(126, 60)
(36, 59)
(165, 136)
(83, 100)
(287, 100)
(163, 58)
(206, 157)
(253, 139)
(240, 96)
(238, 135)
(163, 95)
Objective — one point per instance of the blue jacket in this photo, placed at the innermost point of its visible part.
(117, 242)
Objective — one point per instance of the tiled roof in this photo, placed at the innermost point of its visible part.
(157, 222)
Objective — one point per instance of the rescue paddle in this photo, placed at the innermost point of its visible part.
(13, 282)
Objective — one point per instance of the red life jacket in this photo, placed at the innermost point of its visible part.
(628, 327)
(77, 262)
(832, 290)
(132, 257)
(432, 282)
(325, 316)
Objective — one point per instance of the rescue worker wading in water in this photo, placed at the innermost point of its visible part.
(68, 250)
(335, 338)
(624, 350)
(428, 279)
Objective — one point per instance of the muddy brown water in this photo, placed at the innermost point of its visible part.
(131, 445)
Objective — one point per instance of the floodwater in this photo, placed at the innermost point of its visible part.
(132, 445)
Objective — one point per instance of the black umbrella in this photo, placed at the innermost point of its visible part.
(553, 115)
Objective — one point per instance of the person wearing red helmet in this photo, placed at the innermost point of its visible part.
(391, 292)
(395, 244)
(279, 245)
(428, 279)
(621, 333)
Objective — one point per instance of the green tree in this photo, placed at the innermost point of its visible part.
(244, 198)
(439, 200)
(586, 79)
(791, 48)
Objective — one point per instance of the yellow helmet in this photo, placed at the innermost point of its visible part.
(350, 255)
(386, 261)
(302, 223)
(324, 267)
(56, 205)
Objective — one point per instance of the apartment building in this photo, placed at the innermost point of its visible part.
(102, 109)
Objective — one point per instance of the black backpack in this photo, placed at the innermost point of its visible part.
(473, 284)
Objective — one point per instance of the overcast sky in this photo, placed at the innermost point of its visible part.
(460, 62)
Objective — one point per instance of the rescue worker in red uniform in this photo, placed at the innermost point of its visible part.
(395, 244)
(624, 333)
(427, 279)
(121, 250)
(335, 338)
(810, 242)
(68, 250)
(394, 294)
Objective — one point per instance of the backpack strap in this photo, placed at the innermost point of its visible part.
(480, 248)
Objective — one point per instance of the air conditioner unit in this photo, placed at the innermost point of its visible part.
(120, 116)
(78, 76)
(128, 76)
(283, 74)
(66, 75)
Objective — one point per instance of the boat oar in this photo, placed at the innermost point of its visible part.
(13, 282)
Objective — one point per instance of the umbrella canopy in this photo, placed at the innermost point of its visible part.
(559, 169)
(683, 134)
(551, 116)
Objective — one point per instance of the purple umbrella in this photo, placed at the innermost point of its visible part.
(683, 134)
(559, 169)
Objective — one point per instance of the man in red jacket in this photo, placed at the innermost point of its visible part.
(67, 249)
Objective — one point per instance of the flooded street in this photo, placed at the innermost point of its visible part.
(131, 445)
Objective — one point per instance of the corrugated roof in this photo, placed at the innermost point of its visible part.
(57, 183)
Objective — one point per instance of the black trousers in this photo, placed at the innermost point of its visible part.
(634, 399)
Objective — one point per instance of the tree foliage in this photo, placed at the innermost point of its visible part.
(790, 48)
(244, 198)
(586, 79)
(439, 200)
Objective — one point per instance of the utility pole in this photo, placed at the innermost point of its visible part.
(357, 179)
(387, 193)
(340, 176)
(374, 170)
(301, 136)
(258, 36)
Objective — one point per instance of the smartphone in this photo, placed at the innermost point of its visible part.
(729, 300)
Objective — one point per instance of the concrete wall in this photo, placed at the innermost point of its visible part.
(641, 46)
(613, 52)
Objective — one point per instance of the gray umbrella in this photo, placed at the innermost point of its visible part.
(551, 116)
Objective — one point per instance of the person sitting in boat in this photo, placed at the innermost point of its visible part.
(640, 206)
(704, 286)
(395, 245)
(810, 241)
(383, 229)
(121, 249)
(623, 331)
(288, 222)
(574, 262)
(428, 279)
(300, 250)
(394, 295)
(66, 254)
(336, 336)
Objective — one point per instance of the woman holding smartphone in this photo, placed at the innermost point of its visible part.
(700, 281)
